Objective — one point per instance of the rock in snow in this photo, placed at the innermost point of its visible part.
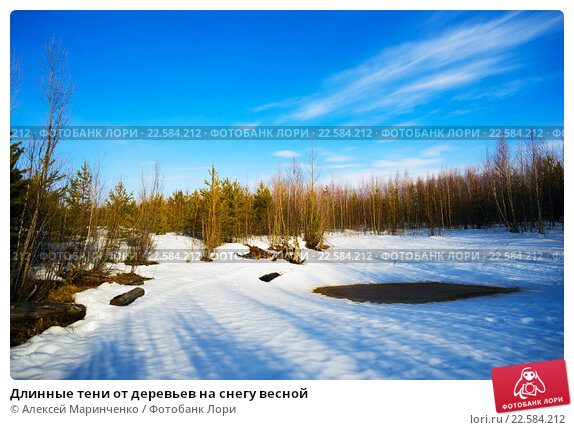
(269, 277)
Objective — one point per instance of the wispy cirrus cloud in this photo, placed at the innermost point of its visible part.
(343, 166)
(436, 150)
(294, 101)
(403, 77)
(507, 89)
(339, 158)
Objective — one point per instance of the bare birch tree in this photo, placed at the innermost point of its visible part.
(44, 168)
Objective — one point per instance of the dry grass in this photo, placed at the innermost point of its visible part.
(320, 247)
(129, 279)
(140, 263)
(21, 331)
(256, 253)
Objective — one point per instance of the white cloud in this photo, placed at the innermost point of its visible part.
(286, 154)
(339, 159)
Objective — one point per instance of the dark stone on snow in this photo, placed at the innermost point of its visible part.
(269, 277)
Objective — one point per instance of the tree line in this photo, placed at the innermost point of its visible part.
(521, 188)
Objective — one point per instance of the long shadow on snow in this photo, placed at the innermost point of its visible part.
(120, 357)
(319, 327)
(108, 361)
(211, 353)
(218, 355)
(320, 330)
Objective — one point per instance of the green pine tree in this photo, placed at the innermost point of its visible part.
(18, 188)
(262, 202)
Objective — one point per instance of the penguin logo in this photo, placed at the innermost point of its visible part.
(529, 384)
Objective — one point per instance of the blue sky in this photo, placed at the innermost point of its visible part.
(293, 68)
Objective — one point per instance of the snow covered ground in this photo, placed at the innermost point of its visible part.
(219, 321)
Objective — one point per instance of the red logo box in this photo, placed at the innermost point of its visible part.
(530, 386)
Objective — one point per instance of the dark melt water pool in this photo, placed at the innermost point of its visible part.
(412, 293)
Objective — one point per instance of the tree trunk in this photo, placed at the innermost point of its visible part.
(127, 298)
(30, 311)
